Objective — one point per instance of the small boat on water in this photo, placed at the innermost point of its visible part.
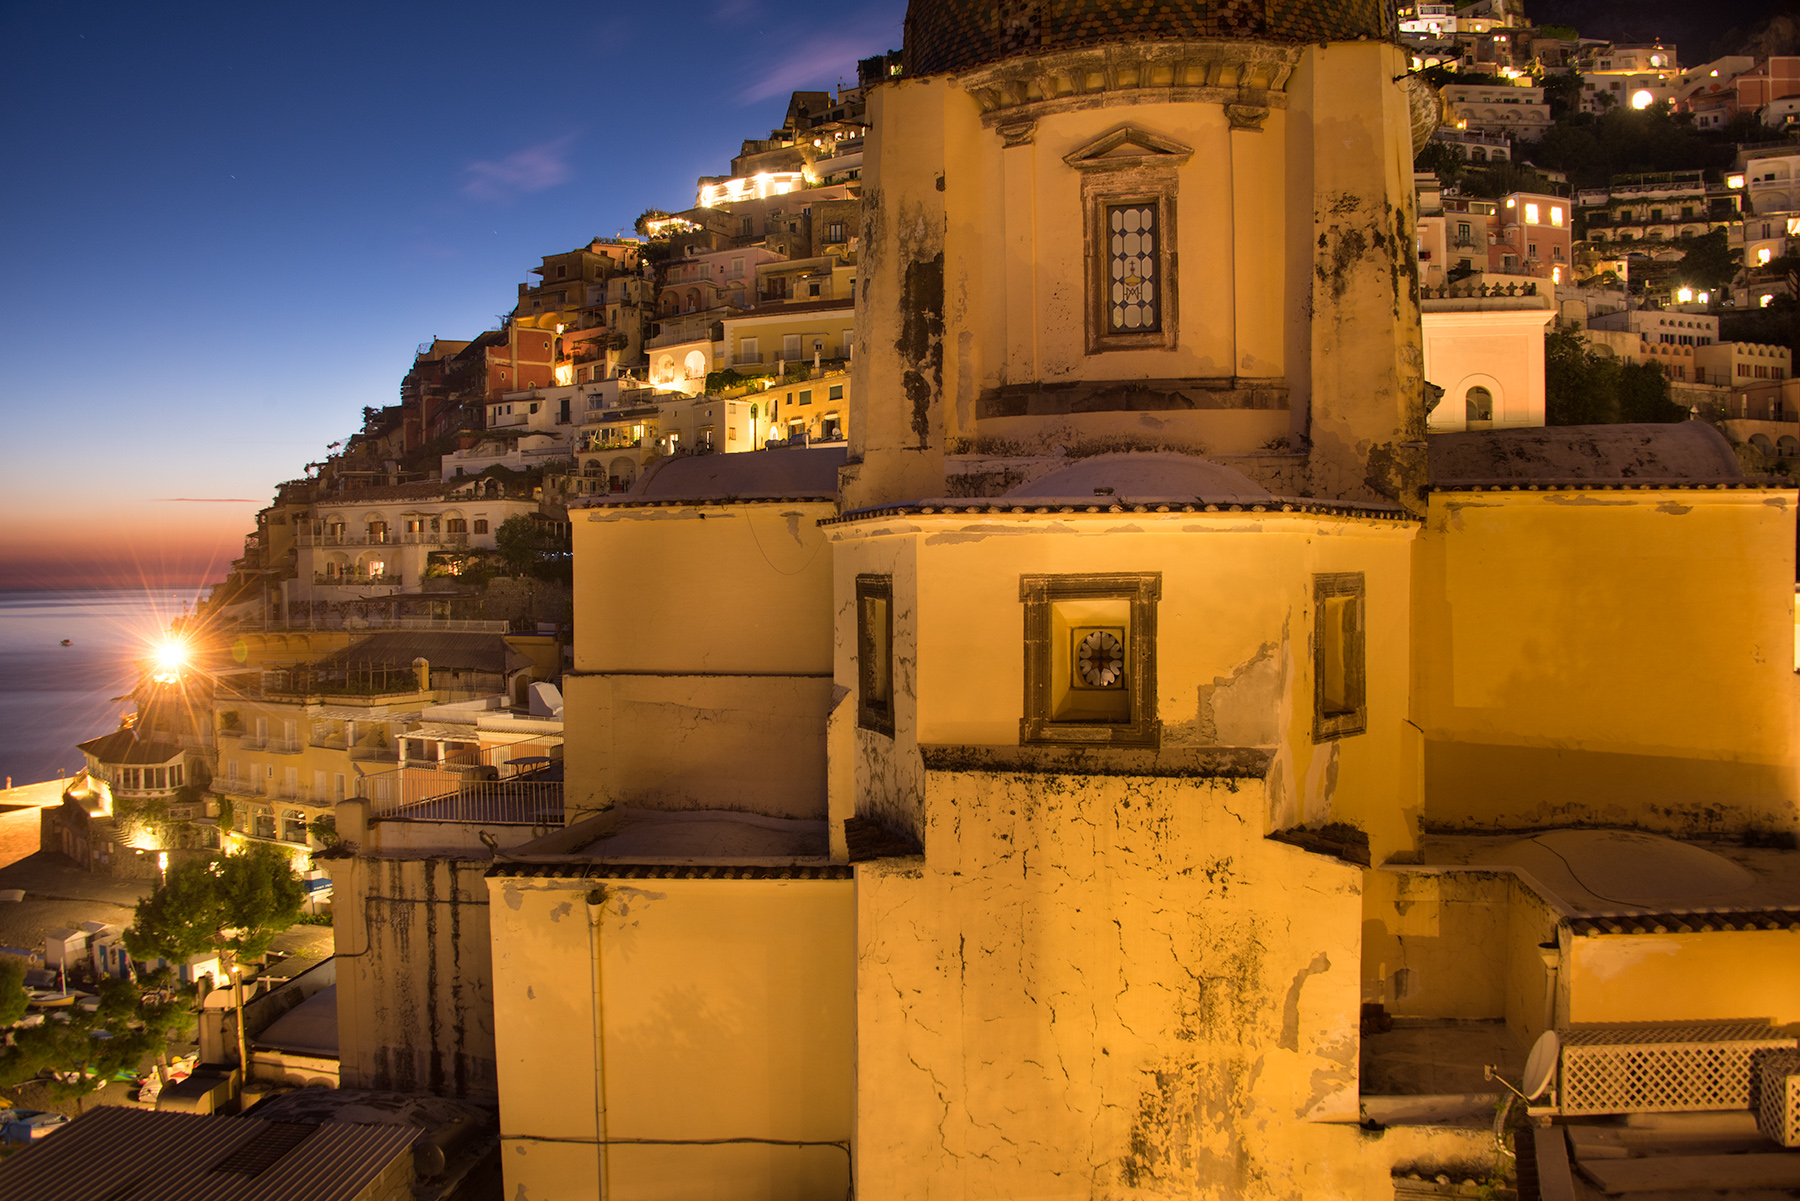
(68, 642)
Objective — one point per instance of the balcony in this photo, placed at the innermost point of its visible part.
(357, 580)
(406, 538)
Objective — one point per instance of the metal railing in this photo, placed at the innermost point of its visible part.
(355, 579)
(518, 802)
(402, 538)
(378, 621)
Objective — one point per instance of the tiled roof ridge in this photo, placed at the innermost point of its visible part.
(1032, 506)
(1687, 921)
(600, 869)
(1621, 484)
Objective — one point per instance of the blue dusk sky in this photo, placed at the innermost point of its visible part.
(224, 229)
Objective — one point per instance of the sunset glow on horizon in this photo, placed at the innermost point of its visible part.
(231, 250)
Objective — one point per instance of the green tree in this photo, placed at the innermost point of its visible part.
(12, 990)
(519, 543)
(1709, 264)
(83, 1050)
(232, 904)
(1584, 388)
(1643, 392)
(1578, 387)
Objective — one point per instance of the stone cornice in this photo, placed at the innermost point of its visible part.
(1241, 76)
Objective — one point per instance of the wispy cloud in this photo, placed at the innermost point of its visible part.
(520, 173)
(818, 61)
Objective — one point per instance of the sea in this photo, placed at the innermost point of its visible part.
(53, 696)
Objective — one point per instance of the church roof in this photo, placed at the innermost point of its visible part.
(1684, 453)
(952, 35)
(1159, 476)
(802, 473)
(444, 650)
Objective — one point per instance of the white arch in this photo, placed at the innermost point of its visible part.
(1451, 412)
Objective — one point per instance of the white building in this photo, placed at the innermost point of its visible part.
(1487, 353)
(1484, 108)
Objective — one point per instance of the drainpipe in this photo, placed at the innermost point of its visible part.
(237, 981)
(1551, 954)
(596, 905)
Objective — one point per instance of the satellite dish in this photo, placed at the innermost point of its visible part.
(1540, 1065)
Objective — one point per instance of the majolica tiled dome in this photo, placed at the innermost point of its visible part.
(950, 35)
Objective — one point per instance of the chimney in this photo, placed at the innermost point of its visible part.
(422, 669)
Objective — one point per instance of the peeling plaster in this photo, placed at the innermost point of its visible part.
(1321, 783)
(1290, 1008)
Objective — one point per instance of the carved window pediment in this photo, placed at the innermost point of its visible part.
(1128, 148)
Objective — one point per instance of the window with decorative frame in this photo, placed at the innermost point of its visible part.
(1128, 193)
(1340, 685)
(875, 653)
(1090, 659)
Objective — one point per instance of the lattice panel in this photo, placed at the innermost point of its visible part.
(1777, 1096)
(1670, 1069)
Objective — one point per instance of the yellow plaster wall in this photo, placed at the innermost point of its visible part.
(1530, 922)
(725, 1010)
(414, 981)
(647, 596)
(1607, 657)
(703, 660)
(1427, 925)
(753, 743)
(1234, 659)
(1685, 977)
(1097, 986)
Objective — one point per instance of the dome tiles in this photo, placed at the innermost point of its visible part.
(953, 35)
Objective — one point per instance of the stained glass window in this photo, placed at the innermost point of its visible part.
(1133, 304)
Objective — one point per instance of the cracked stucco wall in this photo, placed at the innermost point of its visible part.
(724, 1009)
(1108, 988)
(1605, 658)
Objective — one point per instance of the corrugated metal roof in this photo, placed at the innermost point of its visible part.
(139, 1155)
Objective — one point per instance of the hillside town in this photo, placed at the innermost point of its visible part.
(879, 684)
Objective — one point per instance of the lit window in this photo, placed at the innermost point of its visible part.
(1531, 214)
(1556, 214)
(1090, 664)
(1340, 702)
(875, 653)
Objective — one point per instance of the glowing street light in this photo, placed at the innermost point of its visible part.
(170, 658)
(1642, 98)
